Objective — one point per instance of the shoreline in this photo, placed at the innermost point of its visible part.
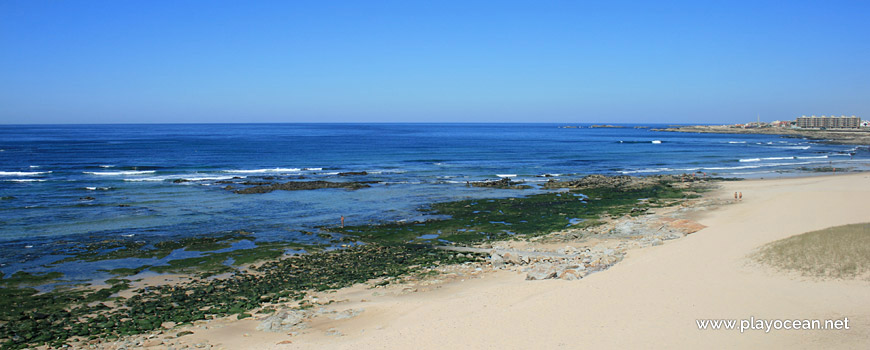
(857, 137)
(650, 299)
(608, 246)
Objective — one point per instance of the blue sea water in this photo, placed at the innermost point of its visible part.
(91, 182)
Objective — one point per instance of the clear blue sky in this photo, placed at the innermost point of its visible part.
(431, 61)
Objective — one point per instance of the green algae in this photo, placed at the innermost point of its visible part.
(126, 271)
(124, 249)
(28, 318)
(22, 278)
(472, 221)
(216, 263)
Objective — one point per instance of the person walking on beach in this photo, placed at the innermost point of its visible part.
(741, 195)
(735, 196)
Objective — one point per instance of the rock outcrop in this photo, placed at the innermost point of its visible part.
(301, 186)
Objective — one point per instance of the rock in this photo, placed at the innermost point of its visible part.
(351, 173)
(152, 342)
(496, 260)
(512, 258)
(504, 183)
(283, 321)
(572, 274)
(300, 186)
(541, 272)
(349, 313)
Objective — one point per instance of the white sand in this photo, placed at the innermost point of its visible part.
(649, 300)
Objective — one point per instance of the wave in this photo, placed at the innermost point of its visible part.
(23, 173)
(23, 180)
(506, 175)
(780, 158)
(34, 166)
(752, 166)
(260, 171)
(376, 172)
(98, 188)
(653, 141)
(312, 169)
(179, 177)
(761, 165)
(118, 173)
(794, 147)
(656, 170)
(736, 141)
(106, 166)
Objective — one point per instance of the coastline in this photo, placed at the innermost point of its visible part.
(835, 137)
(649, 299)
(653, 297)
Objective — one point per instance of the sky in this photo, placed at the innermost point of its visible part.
(187, 61)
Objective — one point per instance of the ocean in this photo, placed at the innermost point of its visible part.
(78, 183)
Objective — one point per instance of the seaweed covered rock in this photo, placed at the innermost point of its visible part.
(504, 183)
(301, 186)
(621, 182)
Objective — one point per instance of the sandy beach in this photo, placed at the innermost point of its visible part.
(651, 299)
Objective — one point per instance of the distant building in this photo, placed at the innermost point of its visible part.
(832, 122)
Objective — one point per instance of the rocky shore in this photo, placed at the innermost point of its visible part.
(586, 226)
(837, 137)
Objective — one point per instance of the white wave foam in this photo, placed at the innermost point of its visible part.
(23, 173)
(34, 166)
(753, 172)
(260, 171)
(179, 177)
(385, 171)
(778, 158)
(119, 173)
(761, 165)
(97, 188)
(793, 147)
(753, 166)
(312, 169)
(656, 170)
(818, 157)
(107, 166)
(506, 175)
(736, 141)
(656, 141)
(207, 178)
(24, 180)
(750, 160)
